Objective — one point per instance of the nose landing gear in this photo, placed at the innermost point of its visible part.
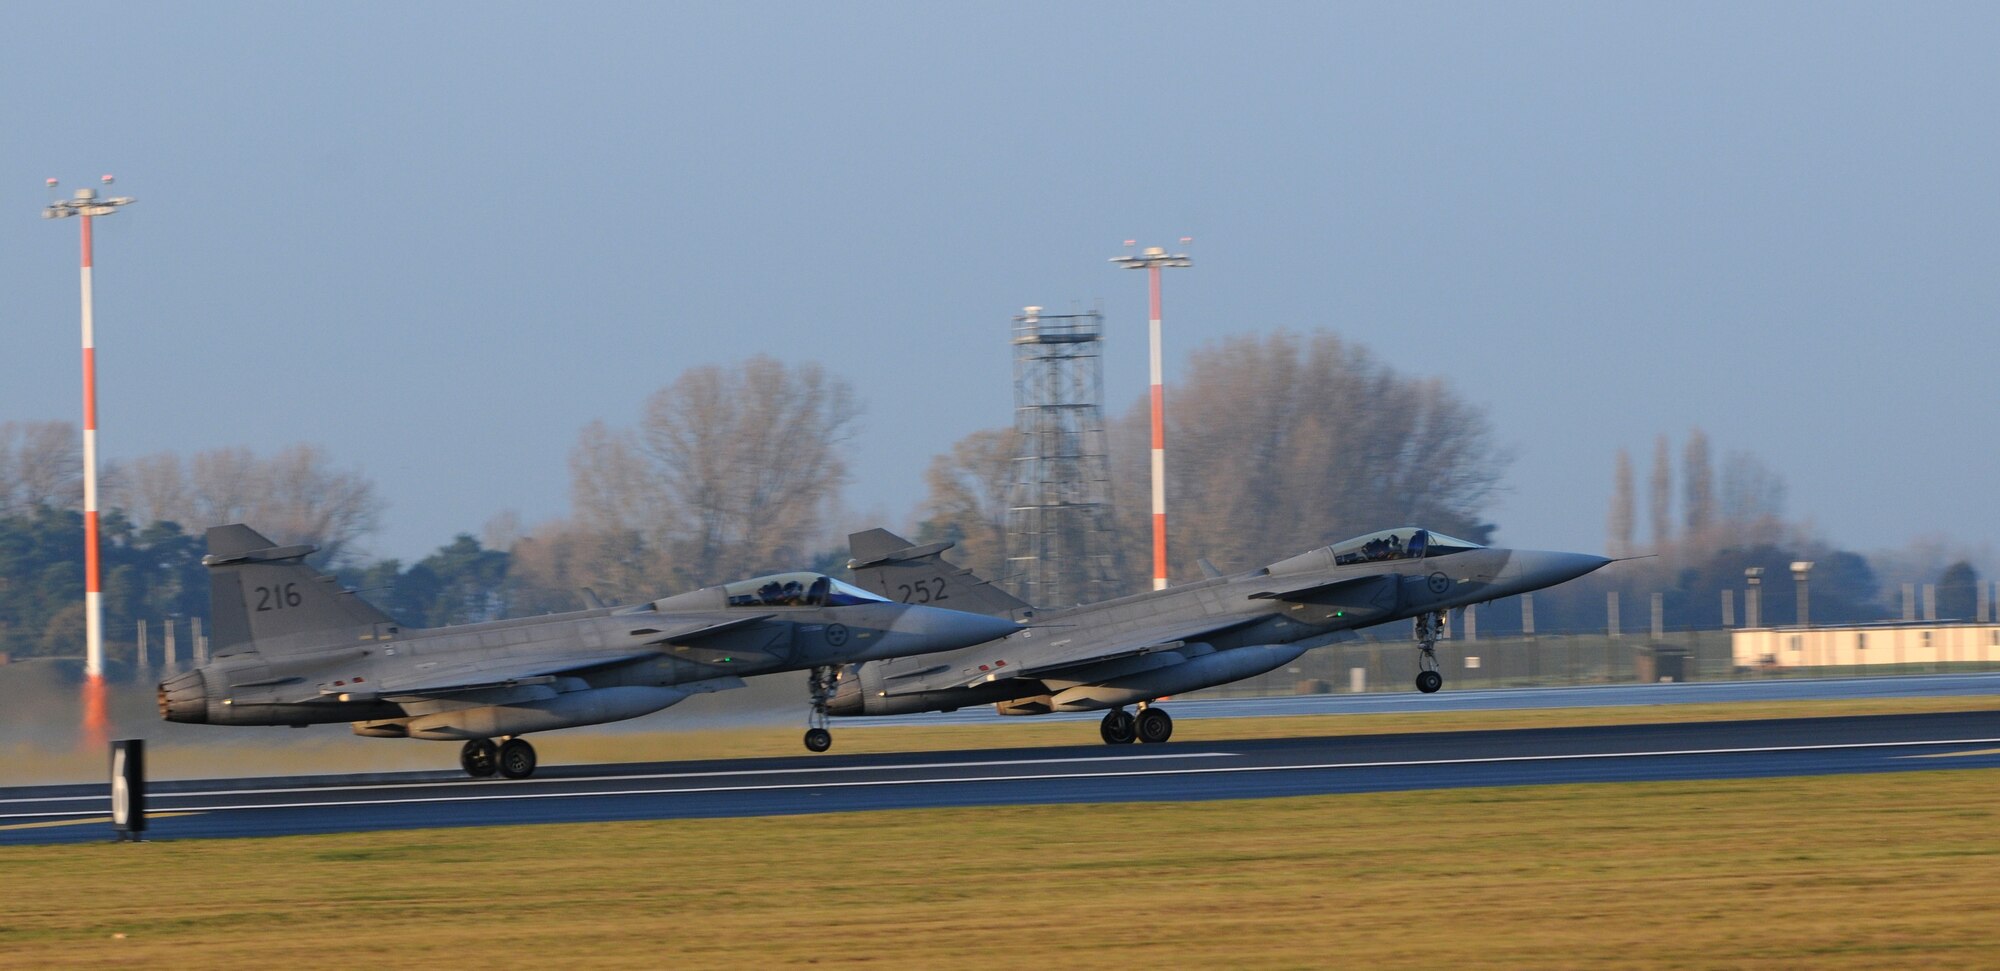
(1429, 627)
(824, 677)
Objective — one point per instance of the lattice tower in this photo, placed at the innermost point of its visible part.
(1061, 549)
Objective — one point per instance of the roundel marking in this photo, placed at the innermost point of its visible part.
(1439, 583)
(836, 634)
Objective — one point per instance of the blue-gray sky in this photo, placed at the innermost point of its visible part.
(438, 239)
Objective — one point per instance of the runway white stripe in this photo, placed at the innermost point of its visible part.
(491, 796)
(636, 777)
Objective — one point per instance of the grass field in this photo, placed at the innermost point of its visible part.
(1859, 871)
(1827, 872)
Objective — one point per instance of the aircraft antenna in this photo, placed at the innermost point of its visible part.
(1152, 259)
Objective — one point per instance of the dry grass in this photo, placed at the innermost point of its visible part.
(1829, 872)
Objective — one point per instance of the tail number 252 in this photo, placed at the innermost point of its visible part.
(922, 591)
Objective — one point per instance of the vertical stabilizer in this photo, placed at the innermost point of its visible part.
(886, 564)
(264, 597)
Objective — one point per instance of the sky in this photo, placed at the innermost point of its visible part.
(438, 239)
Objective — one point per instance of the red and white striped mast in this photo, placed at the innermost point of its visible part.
(85, 204)
(1151, 260)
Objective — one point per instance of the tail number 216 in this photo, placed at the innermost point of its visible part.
(278, 597)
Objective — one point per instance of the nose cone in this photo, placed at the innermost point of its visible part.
(1535, 569)
(927, 630)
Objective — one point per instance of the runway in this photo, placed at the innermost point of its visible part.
(1187, 769)
(1499, 699)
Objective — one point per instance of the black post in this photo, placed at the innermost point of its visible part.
(128, 788)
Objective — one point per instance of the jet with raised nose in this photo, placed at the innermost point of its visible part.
(1137, 649)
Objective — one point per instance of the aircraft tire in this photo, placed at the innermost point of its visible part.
(1155, 726)
(1429, 681)
(517, 759)
(1118, 727)
(818, 739)
(479, 758)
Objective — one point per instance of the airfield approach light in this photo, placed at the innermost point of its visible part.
(84, 204)
(1152, 259)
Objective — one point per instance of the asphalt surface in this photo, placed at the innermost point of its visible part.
(1188, 769)
(1497, 699)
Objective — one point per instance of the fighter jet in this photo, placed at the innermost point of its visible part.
(1136, 649)
(294, 648)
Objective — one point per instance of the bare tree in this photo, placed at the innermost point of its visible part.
(729, 472)
(151, 488)
(223, 486)
(968, 498)
(1662, 495)
(1619, 522)
(611, 484)
(305, 497)
(1698, 484)
(1277, 443)
(502, 530)
(550, 567)
(295, 496)
(41, 464)
(1751, 491)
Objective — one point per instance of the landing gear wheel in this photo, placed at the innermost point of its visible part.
(1430, 626)
(823, 680)
(517, 759)
(1118, 727)
(818, 739)
(479, 758)
(1155, 726)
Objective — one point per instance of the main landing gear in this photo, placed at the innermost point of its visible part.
(1151, 725)
(824, 677)
(513, 758)
(1430, 627)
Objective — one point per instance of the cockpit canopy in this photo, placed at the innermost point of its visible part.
(1402, 543)
(796, 590)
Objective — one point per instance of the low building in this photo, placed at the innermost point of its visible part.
(1807, 647)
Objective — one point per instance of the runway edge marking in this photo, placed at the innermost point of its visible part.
(554, 780)
(1211, 770)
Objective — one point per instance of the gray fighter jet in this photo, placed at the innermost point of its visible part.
(293, 648)
(1133, 650)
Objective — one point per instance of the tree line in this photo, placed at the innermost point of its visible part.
(1280, 442)
(1708, 523)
